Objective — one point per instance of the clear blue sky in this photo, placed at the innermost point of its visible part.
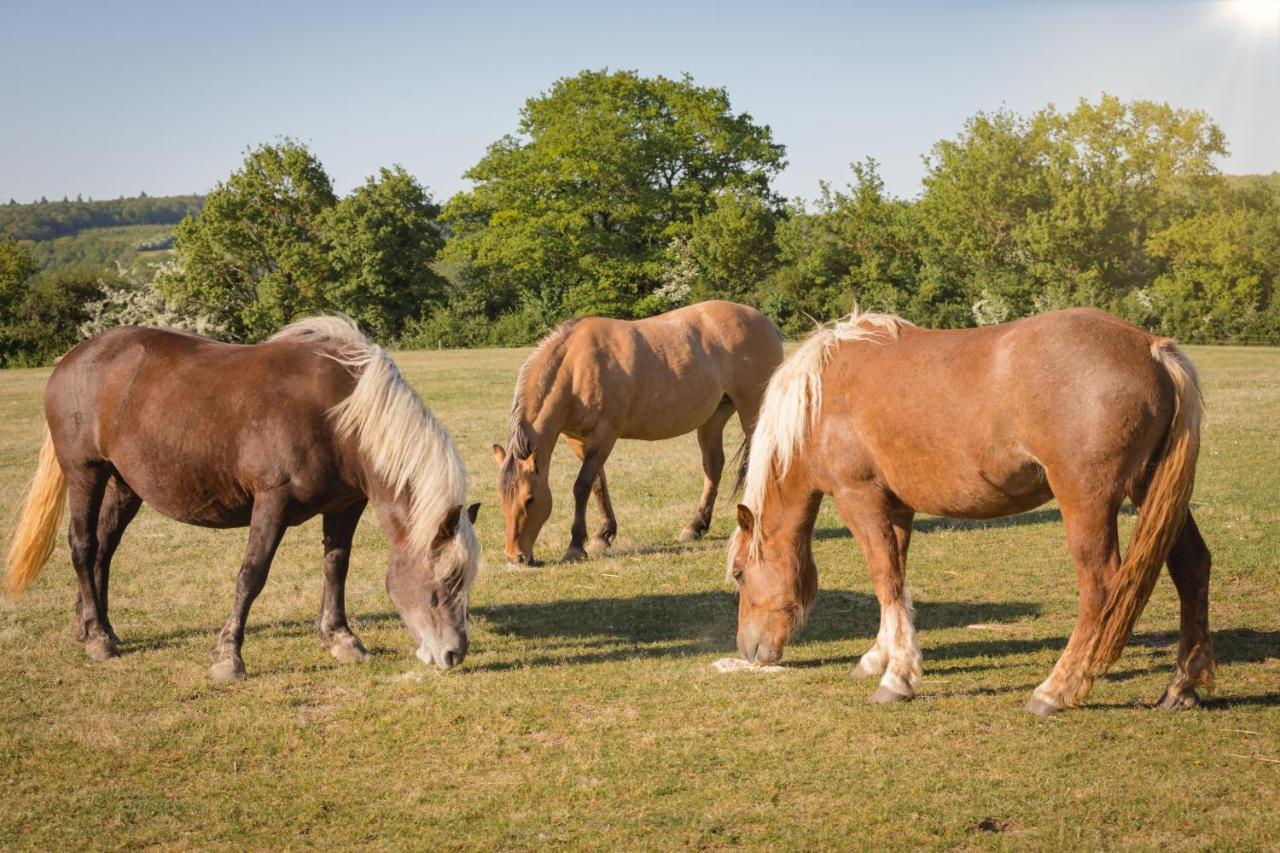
(112, 98)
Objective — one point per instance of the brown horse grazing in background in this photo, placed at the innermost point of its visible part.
(892, 420)
(596, 380)
(317, 421)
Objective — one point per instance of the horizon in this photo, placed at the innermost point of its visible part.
(430, 89)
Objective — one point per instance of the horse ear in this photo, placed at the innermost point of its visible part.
(472, 512)
(449, 526)
(499, 454)
(745, 519)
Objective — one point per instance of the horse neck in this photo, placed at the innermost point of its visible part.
(543, 415)
(789, 513)
(392, 510)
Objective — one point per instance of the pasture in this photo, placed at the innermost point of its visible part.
(588, 713)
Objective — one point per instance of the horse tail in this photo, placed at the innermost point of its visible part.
(1162, 513)
(38, 527)
(741, 459)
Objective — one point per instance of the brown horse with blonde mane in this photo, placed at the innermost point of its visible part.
(317, 421)
(596, 380)
(891, 420)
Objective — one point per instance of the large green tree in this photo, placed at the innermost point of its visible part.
(381, 241)
(578, 211)
(1056, 209)
(254, 255)
(274, 242)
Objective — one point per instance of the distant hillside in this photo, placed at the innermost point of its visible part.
(52, 219)
(1271, 181)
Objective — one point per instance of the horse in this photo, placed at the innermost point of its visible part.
(890, 420)
(315, 421)
(596, 380)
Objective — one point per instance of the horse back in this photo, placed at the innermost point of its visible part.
(196, 427)
(968, 422)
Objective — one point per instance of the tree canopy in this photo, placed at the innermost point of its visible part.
(274, 242)
(579, 211)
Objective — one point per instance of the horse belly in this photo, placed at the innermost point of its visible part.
(190, 494)
(664, 410)
(974, 491)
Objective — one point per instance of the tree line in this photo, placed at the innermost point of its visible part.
(627, 196)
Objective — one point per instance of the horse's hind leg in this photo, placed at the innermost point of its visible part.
(877, 523)
(1189, 563)
(335, 633)
(119, 506)
(85, 487)
(600, 489)
(711, 441)
(1094, 544)
(266, 526)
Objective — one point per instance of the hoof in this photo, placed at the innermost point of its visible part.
(1171, 701)
(884, 695)
(862, 670)
(1041, 708)
(227, 669)
(101, 648)
(574, 555)
(349, 649)
(690, 534)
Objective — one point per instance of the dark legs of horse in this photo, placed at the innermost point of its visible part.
(600, 488)
(266, 526)
(1189, 563)
(119, 506)
(85, 488)
(1094, 544)
(882, 528)
(711, 441)
(595, 452)
(335, 633)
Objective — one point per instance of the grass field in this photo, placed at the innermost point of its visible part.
(588, 713)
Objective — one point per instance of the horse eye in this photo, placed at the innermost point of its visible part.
(737, 574)
(435, 599)
(528, 501)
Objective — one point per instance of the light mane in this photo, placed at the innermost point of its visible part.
(408, 449)
(518, 441)
(792, 401)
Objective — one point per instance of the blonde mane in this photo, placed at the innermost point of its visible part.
(792, 401)
(408, 449)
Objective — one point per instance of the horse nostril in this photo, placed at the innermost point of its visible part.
(452, 658)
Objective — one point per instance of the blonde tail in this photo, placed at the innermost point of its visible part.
(37, 530)
(1162, 514)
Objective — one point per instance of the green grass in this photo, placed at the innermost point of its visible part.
(588, 713)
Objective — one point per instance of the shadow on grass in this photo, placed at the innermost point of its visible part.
(598, 630)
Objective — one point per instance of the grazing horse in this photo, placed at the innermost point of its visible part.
(891, 420)
(317, 421)
(596, 380)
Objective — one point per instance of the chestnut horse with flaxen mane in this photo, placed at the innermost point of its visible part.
(892, 420)
(597, 380)
(317, 421)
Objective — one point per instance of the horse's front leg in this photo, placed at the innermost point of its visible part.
(595, 453)
(600, 488)
(266, 526)
(880, 524)
(335, 633)
(875, 660)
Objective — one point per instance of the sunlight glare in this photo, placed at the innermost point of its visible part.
(1254, 14)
